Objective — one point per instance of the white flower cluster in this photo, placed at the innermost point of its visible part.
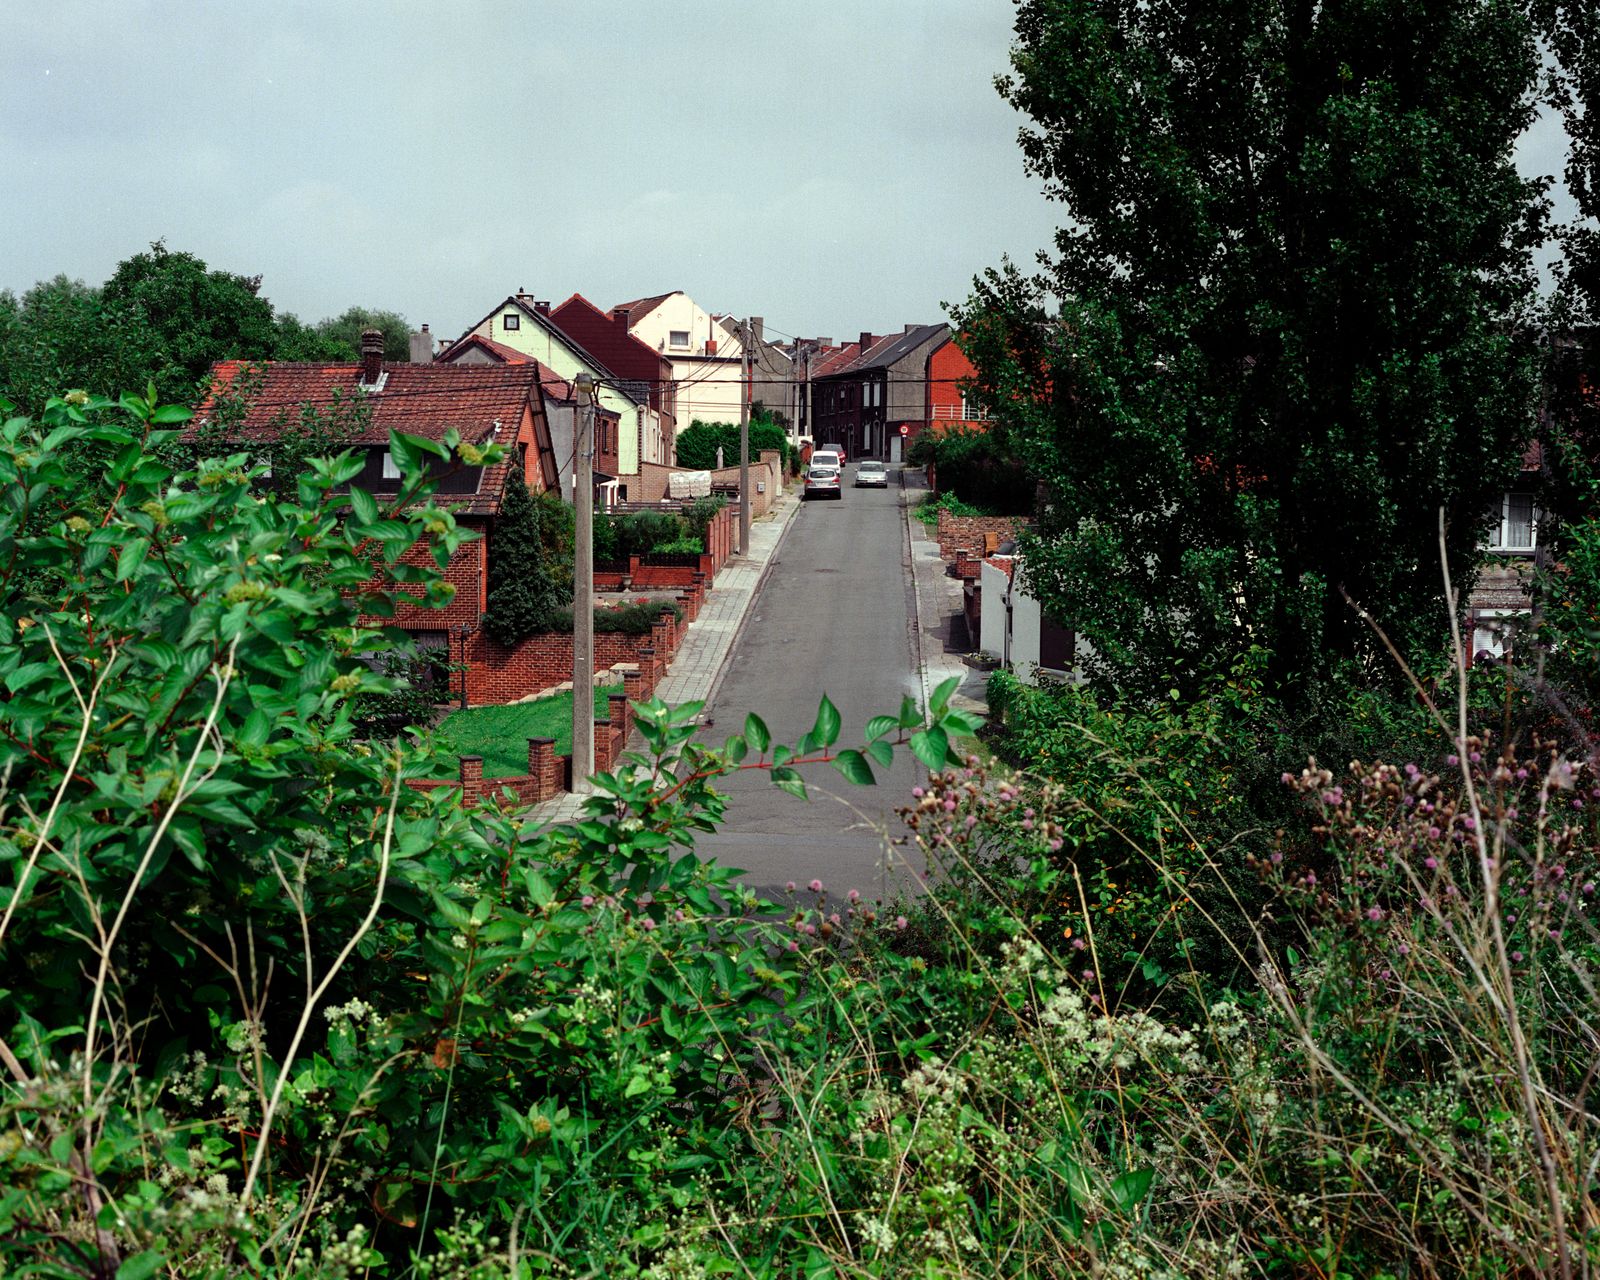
(356, 1011)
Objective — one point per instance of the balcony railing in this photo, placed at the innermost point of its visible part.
(957, 413)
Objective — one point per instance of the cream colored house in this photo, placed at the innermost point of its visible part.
(704, 356)
(525, 326)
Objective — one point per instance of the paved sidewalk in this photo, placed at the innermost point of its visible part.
(941, 629)
(697, 667)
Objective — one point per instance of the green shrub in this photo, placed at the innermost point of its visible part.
(972, 463)
(523, 591)
(927, 511)
(697, 444)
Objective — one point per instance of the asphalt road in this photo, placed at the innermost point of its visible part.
(835, 616)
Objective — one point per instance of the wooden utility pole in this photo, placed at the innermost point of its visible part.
(744, 438)
(583, 589)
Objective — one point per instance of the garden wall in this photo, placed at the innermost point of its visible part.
(498, 674)
(958, 534)
(549, 774)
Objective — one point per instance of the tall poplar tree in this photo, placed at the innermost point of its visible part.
(1287, 319)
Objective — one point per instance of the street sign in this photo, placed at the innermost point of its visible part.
(905, 428)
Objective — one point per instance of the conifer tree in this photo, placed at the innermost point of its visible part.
(523, 598)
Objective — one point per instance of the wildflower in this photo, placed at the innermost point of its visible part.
(1516, 957)
(1374, 913)
(1588, 887)
(1078, 944)
(1404, 948)
(1476, 757)
(792, 945)
(1277, 856)
(1452, 759)
(916, 793)
(1431, 863)
(1433, 833)
(1411, 771)
(815, 886)
(789, 888)
(588, 899)
(646, 923)
(900, 922)
(854, 895)
(1511, 815)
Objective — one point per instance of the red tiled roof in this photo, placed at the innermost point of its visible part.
(420, 399)
(835, 360)
(639, 308)
(501, 353)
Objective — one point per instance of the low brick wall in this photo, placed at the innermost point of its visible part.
(957, 534)
(498, 674)
(549, 774)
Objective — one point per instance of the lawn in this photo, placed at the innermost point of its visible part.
(500, 734)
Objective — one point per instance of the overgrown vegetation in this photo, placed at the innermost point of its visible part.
(975, 467)
(500, 734)
(698, 443)
(927, 511)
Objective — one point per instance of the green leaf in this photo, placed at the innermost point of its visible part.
(878, 726)
(941, 695)
(755, 732)
(364, 505)
(736, 749)
(882, 752)
(131, 557)
(142, 1265)
(910, 716)
(825, 732)
(1128, 1189)
(853, 765)
(932, 747)
(787, 779)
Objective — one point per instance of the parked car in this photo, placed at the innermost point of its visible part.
(871, 473)
(837, 449)
(827, 458)
(823, 482)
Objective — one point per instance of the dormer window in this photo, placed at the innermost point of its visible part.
(510, 321)
(1518, 528)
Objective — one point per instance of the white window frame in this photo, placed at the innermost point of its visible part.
(678, 339)
(1493, 629)
(391, 468)
(1500, 532)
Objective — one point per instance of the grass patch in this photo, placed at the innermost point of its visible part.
(928, 509)
(500, 734)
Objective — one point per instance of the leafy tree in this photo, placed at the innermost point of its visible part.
(198, 315)
(1294, 294)
(341, 334)
(61, 333)
(523, 595)
(1571, 31)
(697, 444)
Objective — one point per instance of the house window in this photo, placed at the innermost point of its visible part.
(511, 320)
(1519, 524)
(678, 338)
(391, 468)
(1494, 633)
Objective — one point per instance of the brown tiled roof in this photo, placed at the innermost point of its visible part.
(419, 399)
(639, 308)
(502, 353)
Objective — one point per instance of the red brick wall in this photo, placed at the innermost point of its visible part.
(468, 571)
(957, 534)
(497, 674)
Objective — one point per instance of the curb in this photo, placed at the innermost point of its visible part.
(755, 594)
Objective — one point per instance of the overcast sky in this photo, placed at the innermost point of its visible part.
(835, 166)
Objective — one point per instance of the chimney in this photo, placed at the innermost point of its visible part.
(757, 323)
(542, 308)
(711, 346)
(824, 343)
(619, 317)
(866, 341)
(371, 356)
(422, 347)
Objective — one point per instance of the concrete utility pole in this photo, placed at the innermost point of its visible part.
(583, 589)
(744, 438)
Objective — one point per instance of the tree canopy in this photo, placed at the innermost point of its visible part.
(1287, 320)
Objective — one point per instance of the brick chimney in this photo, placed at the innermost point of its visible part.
(542, 308)
(371, 356)
(619, 317)
(866, 341)
(422, 347)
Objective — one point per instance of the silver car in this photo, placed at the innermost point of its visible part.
(871, 473)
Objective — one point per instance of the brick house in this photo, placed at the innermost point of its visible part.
(501, 404)
(523, 324)
(862, 401)
(560, 409)
(952, 404)
(647, 373)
